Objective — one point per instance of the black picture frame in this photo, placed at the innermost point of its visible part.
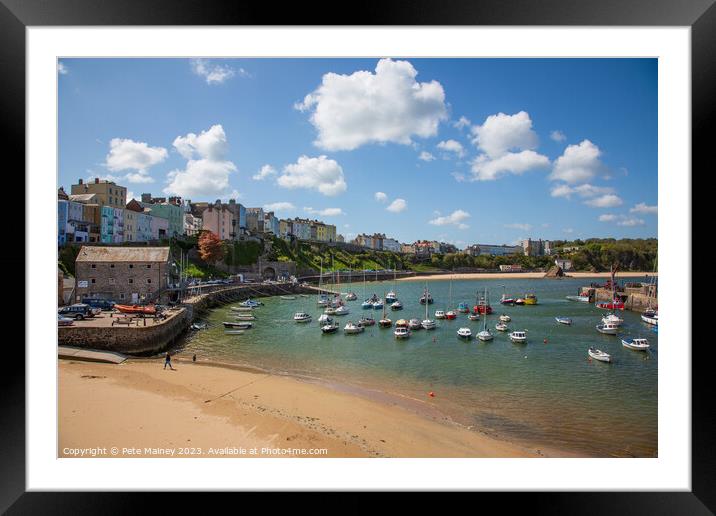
(16, 15)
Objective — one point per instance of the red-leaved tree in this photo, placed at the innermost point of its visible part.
(211, 249)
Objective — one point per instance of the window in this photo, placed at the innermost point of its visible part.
(131, 266)
(149, 280)
(111, 266)
(149, 266)
(93, 280)
(121, 296)
(94, 266)
(130, 280)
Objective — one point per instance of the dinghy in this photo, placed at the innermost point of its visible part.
(563, 320)
(600, 355)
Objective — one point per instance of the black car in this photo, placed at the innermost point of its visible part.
(78, 311)
(103, 304)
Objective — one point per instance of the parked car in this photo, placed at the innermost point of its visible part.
(64, 321)
(77, 311)
(102, 304)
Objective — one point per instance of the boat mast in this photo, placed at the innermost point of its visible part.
(425, 293)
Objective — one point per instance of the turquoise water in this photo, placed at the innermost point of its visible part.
(545, 393)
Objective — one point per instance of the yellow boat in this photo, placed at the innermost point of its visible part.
(530, 299)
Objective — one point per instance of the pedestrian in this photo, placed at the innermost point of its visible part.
(193, 358)
(168, 361)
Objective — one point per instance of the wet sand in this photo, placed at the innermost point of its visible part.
(205, 410)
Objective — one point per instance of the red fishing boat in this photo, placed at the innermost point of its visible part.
(137, 309)
(616, 304)
(482, 307)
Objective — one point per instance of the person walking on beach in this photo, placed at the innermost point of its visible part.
(168, 361)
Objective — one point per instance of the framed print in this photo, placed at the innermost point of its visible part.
(415, 250)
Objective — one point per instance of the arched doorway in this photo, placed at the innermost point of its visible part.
(269, 273)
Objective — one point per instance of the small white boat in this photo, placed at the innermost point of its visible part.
(608, 328)
(197, 326)
(415, 324)
(366, 321)
(367, 304)
(563, 320)
(428, 324)
(638, 344)
(342, 310)
(397, 305)
(439, 314)
(302, 317)
(464, 333)
(518, 337)
(352, 328)
(243, 309)
(377, 305)
(401, 332)
(288, 298)
(581, 299)
(240, 325)
(650, 316)
(612, 319)
(330, 327)
(485, 335)
(325, 319)
(351, 296)
(244, 317)
(474, 317)
(250, 303)
(329, 311)
(505, 318)
(391, 297)
(500, 326)
(600, 355)
(234, 332)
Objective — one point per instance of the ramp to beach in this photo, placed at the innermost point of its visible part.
(90, 355)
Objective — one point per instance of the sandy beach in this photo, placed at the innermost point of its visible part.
(521, 275)
(205, 410)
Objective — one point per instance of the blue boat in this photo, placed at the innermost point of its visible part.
(367, 304)
(463, 308)
(378, 305)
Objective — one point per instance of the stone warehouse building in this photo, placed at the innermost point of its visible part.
(127, 275)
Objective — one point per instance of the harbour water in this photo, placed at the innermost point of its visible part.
(546, 393)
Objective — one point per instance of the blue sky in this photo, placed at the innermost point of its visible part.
(464, 150)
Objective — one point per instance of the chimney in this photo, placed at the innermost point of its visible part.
(79, 181)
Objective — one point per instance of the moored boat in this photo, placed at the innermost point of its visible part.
(500, 326)
(598, 354)
(366, 321)
(474, 317)
(505, 318)
(325, 319)
(427, 323)
(608, 328)
(581, 299)
(464, 333)
(563, 320)
(612, 319)
(530, 299)
(415, 324)
(342, 310)
(439, 314)
(637, 344)
(401, 323)
(401, 332)
(463, 308)
(518, 337)
(302, 317)
(450, 315)
(240, 325)
(330, 327)
(352, 328)
(233, 332)
(397, 305)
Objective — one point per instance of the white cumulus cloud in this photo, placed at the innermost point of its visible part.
(485, 168)
(265, 172)
(604, 201)
(621, 220)
(207, 171)
(397, 206)
(62, 69)
(388, 106)
(321, 174)
(326, 212)
(212, 73)
(584, 191)
(137, 157)
(642, 207)
(380, 196)
(279, 206)
(507, 143)
(462, 123)
(578, 164)
(453, 146)
(456, 218)
(557, 136)
(426, 156)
